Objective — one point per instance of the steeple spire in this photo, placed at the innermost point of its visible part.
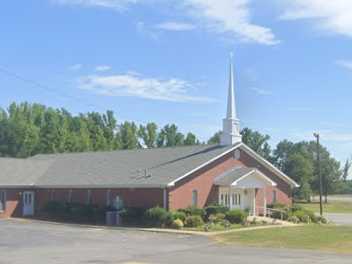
(231, 110)
(231, 125)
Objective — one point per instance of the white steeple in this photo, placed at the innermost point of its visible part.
(231, 124)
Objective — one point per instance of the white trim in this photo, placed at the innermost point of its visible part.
(170, 184)
(269, 165)
(250, 152)
(252, 172)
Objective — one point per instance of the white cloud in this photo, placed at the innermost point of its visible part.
(102, 68)
(347, 64)
(75, 67)
(115, 4)
(331, 16)
(175, 26)
(136, 85)
(230, 17)
(261, 91)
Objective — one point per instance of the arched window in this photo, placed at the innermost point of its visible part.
(195, 198)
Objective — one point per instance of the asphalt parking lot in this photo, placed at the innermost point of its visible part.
(37, 242)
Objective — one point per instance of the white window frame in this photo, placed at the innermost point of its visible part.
(3, 200)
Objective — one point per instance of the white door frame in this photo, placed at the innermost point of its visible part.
(28, 198)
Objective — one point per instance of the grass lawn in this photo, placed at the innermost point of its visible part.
(331, 207)
(313, 237)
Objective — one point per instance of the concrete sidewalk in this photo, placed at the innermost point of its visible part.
(339, 219)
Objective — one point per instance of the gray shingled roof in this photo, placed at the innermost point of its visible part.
(228, 177)
(140, 168)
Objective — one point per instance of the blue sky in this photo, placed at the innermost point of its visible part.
(167, 61)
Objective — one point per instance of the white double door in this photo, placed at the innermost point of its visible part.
(236, 198)
(28, 203)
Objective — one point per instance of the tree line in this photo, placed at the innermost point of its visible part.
(299, 161)
(29, 129)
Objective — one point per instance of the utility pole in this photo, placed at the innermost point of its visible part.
(317, 136)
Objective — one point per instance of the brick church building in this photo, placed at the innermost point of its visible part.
(230, 173)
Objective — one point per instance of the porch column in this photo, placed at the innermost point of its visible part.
(254, 211)
(264, 193)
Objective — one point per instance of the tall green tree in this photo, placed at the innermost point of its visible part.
(257, 141)
(149, 134)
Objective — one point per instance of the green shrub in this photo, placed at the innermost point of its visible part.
(311, 215)
(294, 219)
(306, 219)
(322, 220)
(299, 214)
(216, 218)
(193, 211)
(177, 224)
(178, 215)
(215, 209)
(296, 207)
(194, 221)
(236, 216)
(133, 215)
(158, 216)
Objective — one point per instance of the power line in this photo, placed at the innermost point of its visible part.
(43, 87)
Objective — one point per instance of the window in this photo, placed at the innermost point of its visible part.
(52, 195)
(2, 201)
(274, 197)
(222, 199)
(194, 198)
(89, 197)
(118, 203)
(108, 197)
(69, 196)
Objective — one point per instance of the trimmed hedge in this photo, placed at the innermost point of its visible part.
(236, 216)
(193, 211)
(158, 216)
(193, 221)
(178, 215)
(215, 209)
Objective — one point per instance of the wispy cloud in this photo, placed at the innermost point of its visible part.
(102, 68)
(75, 67)
(331, 16)
(261, 91)
(115, 4)
(173, 89)
(231, 17)
(143, 29)
(226, 17)
(347, 64)
(175, 26)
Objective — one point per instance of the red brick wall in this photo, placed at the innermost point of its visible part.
(131, 197)
(180, 196)
(13, 204)
(145, 198)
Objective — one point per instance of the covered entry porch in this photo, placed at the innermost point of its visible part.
(238, 188)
